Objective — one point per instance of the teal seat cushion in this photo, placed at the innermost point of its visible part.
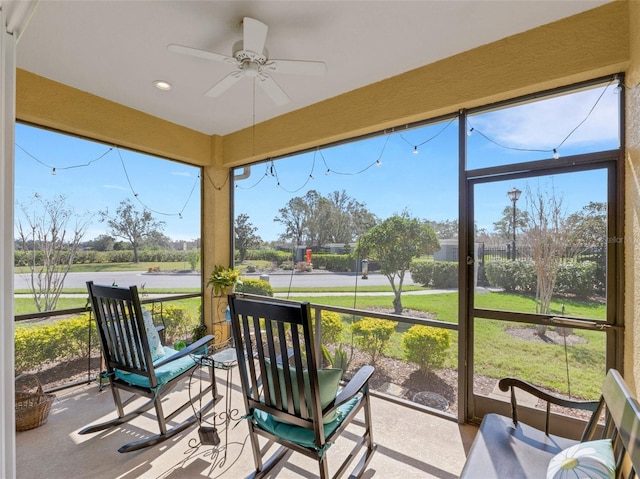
(300, 435)
(164, 373)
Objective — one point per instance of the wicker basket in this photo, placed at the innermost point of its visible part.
(32, 408)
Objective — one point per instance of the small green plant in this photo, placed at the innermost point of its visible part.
(426, 346)
(340, 358)
(222, 277)
(200, 331)
(373, 335)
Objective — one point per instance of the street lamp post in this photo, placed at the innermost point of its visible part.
(514, 195)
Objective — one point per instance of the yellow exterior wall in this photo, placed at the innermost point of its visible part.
(632, 209)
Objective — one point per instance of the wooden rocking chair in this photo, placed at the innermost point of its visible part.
(289, 400)
(137, 362)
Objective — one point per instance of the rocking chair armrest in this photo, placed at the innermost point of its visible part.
(186, 351)
(506, 383)
(357, 382)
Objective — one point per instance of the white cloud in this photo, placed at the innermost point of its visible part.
(113, 187)
(543, 125)
(181, 173)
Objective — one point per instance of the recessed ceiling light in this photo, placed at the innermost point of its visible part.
(162, 85)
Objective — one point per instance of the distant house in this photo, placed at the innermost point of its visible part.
(448, 250)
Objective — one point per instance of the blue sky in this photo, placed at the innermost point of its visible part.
(92, 184)
(426, 184)
(96, 177)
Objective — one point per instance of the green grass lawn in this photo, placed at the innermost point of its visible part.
(116, 267)
(496, 352)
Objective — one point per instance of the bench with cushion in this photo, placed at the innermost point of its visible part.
(506, 448)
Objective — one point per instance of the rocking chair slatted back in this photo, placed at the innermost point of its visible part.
(276, 335)
(122, 329)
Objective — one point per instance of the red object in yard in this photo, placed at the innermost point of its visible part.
(309, 256)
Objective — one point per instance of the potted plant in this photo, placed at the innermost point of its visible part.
(222, 278)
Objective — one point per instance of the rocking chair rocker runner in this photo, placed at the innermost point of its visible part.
(289, 400)
(136, 362)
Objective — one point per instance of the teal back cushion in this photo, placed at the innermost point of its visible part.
(328, 383)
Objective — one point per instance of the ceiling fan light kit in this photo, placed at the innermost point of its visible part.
(251, 59)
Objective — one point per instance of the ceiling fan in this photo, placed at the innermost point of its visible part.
(251, 60)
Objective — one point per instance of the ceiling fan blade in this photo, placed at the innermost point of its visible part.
(272, 89)
(296, 67)
(224, 84)
(194, 52)
(254, 35)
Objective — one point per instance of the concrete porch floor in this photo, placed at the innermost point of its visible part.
(411, 444)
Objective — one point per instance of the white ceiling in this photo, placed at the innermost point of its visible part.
(117, 49)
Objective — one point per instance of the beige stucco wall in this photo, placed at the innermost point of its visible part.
(632, 210)
(601, 41)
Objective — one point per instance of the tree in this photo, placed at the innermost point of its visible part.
(546, 235)
(504, 227)
(44, 231)
(588, 228)
(132, 225)
(156, 240)
(293, 217)
(320, 218)
(394, 243)
(350, 218)
(102, 243)
(315, 220)
(245, 235)
(446, 229)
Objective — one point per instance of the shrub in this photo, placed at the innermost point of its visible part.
(35, 347)
(333, 262)
(193, 257)
(445, 274)
(426, 346)
(62, 340)
(304, 267)
(422, 272)
(267, 255)
(373, 335)
(255, 286)
(518, 275)
(437, 274)
(577, 278)
(332, 327)
(75, 337)
(178, 322)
